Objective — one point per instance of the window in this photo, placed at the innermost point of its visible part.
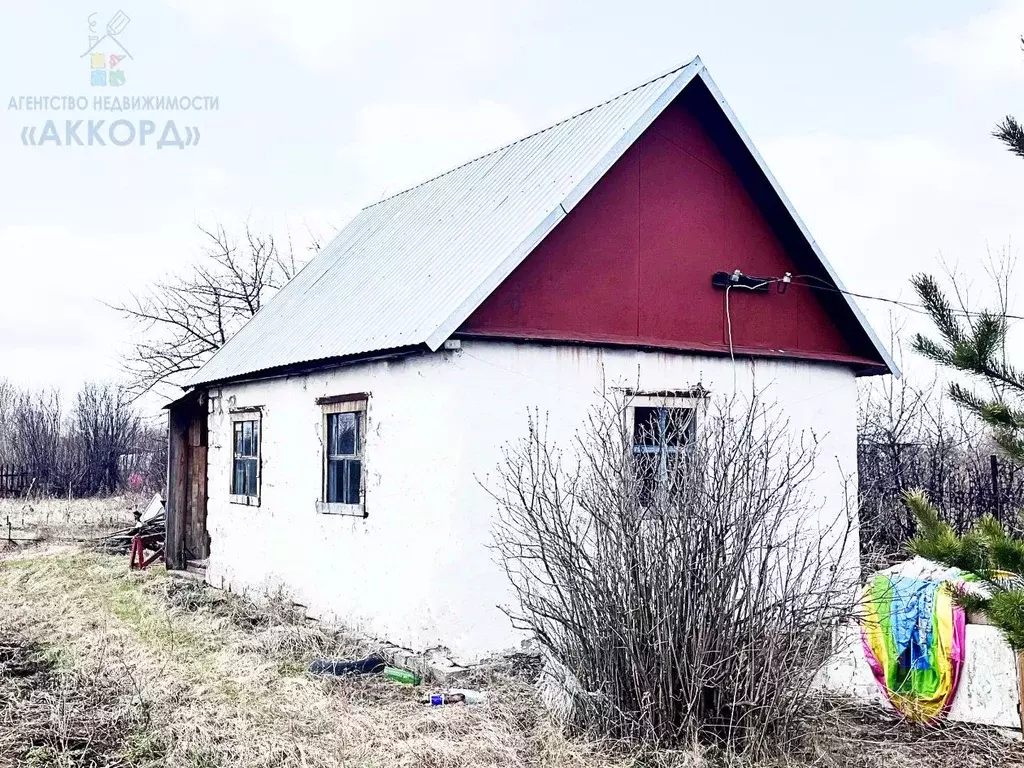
(344, 458)
(662, 429)
(344, 435)
(245, 465)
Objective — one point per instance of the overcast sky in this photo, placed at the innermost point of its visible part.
(876, 119)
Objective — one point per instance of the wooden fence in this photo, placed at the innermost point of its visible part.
(15, 480)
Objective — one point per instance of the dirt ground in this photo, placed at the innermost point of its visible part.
(100, 666)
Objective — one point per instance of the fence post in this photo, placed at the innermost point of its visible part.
(993, 462)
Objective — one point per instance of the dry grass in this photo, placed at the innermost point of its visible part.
(225, 685)
(102, 666)
(54, 715)
(55, 519)
(860, 736)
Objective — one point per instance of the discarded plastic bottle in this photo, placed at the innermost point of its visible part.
(440, 699)
(469, 695)
(403, 676)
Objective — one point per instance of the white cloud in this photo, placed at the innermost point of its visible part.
(54, 327)
(986, 51)
(209, 179)
(399, 144)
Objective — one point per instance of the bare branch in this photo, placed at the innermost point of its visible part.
(699, 611)
(183, 320)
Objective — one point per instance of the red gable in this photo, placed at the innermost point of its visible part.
(632, 263)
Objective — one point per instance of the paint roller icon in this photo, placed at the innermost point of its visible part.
(117, 24)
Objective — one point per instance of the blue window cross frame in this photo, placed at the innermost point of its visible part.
(660, 433)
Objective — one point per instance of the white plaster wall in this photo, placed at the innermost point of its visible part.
(418, 571)
(987, 693)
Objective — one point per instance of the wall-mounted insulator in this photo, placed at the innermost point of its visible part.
(738, 280)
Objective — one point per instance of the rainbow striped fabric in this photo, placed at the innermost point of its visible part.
(914, 638)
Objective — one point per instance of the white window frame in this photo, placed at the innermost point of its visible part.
(240, 415)
(694, 401)
(356, 403)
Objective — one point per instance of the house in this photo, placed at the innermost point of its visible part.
(341, 441)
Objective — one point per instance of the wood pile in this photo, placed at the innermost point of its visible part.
(151, 531)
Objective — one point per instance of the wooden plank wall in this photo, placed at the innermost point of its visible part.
(177, 485)
(196, 538)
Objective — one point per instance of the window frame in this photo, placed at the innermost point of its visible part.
(693, 401)
(238, 416)
(357, 403)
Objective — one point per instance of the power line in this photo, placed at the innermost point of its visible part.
(912, 306)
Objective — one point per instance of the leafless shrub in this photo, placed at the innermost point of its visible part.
(698, 610)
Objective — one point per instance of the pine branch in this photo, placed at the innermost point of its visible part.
(939, 309)
(1011, 134)
(937, 541)
(988, 551)
(977, 350)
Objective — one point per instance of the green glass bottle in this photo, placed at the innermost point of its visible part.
(403, 676)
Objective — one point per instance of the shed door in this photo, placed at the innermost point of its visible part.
(187, 536)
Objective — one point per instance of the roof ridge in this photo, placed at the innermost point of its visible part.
(551, 127)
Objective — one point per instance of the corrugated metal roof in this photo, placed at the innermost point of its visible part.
(410, 269)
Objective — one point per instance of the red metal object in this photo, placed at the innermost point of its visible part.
(632, 263)
(138, 559)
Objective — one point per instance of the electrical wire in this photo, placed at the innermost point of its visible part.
(728, 319)
(920, 309)
(728, 314)
(728, 323)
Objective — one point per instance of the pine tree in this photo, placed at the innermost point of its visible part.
(975, 344)
(987, 551)
(1010, 132)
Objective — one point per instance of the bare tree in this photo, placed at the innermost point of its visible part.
(698, 607)
(8, 399)
(90, 450)
(38, 445)
(104, 428)
(182, 321)
(911, 436)
(144, 467)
